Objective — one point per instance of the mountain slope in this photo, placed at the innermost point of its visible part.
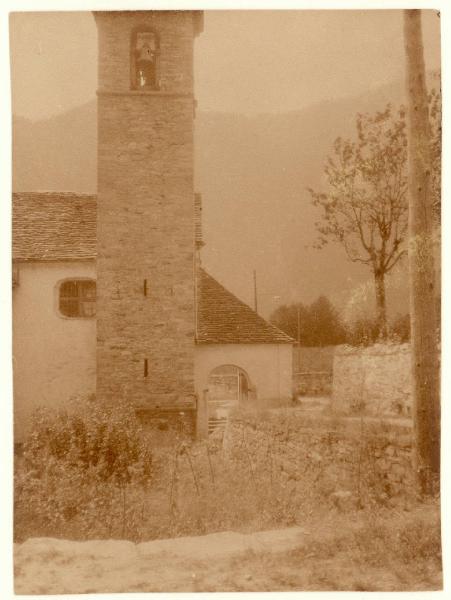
(253, 173)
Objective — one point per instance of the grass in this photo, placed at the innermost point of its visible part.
(364, 551)
(195, 489)
(376, 549)
(390, 552)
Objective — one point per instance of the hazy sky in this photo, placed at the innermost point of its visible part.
(245, 61)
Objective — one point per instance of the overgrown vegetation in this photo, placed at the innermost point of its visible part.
(371, 551)
(76, 468)
(88, 473)
(377, 551)
(192, 490)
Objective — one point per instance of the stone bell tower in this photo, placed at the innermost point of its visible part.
(145, 218)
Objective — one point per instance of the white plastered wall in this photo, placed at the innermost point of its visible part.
(268, 366)
(54, 357)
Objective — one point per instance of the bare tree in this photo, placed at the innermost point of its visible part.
(421, 263)
(365, 208)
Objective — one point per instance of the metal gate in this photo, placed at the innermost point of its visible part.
(227, 386)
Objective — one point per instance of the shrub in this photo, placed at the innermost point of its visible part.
(105, 440)
(75, 466)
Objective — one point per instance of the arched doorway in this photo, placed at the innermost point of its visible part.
(228, 386)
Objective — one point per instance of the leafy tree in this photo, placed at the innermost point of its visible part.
(365, 208)
(286, 317)
(319, 323)
(324, 325)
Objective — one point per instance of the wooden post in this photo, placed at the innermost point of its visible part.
(299, 338)
(202, 416)
(255, 292)
(423, 308)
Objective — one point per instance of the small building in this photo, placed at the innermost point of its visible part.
(238, 356)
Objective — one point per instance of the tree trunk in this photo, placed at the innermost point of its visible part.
(381, 306)
(425, 369)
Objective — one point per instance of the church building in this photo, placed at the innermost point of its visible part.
(109, 295)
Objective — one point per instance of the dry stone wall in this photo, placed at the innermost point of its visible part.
(375, 380)
(363, 460)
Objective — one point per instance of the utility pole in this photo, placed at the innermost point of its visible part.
(423, 308)
(255, 290)
(299, 337)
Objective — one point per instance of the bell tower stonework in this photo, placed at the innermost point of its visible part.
(145, 220)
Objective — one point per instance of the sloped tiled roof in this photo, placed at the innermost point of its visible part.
(224, 319)
(53, 226)
(49, 226)
(62, 225)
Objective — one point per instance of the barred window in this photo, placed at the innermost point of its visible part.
(77, 298)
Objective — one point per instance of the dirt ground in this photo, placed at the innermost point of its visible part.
(325, 556)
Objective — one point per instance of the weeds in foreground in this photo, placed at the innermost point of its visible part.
(73, 483)
(364, 551)
(91, 475)
(77, 468)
